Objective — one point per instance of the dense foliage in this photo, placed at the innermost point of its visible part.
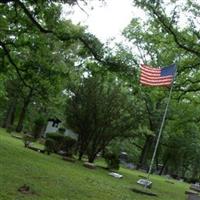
(99, 110)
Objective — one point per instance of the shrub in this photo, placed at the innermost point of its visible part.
(10, 129)
(61, 130)
(50, 145)
(39, 121)
(112, 160)
(55, 136)
(56, 142)
(193, 180)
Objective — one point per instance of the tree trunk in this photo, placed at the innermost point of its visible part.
(164, 166)
(38, 131)
(10, 115)
(80, 148)
(23, 111)
(80, 155)
(144, 153)
(91, 158)
(13, 114)
(157, 162)
(21, 118)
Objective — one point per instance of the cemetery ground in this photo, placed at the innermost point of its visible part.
(49, 177)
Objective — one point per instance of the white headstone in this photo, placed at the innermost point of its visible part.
(116, 175)
(145, 183)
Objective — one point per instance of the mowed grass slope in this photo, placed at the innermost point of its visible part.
(49, 177)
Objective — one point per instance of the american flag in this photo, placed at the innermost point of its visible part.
(157, 76)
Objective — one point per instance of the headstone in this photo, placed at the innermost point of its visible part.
(130, 166)
(191, 192)
(195, 187)
(62, 153)
(168, 176)
(17, 136)
(69, 159)
(144, 182)
(36, 149)
(115, 175)
(193, 197)
(89, 165)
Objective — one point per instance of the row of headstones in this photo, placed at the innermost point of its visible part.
(193, 193)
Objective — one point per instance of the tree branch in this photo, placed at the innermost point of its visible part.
(29, 15)
(3, 45)
(169, 28)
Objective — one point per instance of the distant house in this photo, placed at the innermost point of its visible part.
(71, 134)
(53, 126)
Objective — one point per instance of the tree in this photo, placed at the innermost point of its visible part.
(99, 110)
(51, 26)
(161, 41)
(185, 38)
(182, 139)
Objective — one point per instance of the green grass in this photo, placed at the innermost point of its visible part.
(52, 178)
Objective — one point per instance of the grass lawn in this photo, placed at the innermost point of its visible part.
(50, 177)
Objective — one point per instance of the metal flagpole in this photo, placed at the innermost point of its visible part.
(161, 128)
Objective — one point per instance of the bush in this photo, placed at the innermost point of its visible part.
(193, 180)
(10, 129)
(50, 145)
(39, 121)
(112, 160)
(55, 136)
(61, 130)
(56, 142)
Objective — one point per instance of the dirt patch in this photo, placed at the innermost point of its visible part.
(25, 189)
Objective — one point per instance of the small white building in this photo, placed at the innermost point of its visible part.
(53, 126)
(71, 134)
